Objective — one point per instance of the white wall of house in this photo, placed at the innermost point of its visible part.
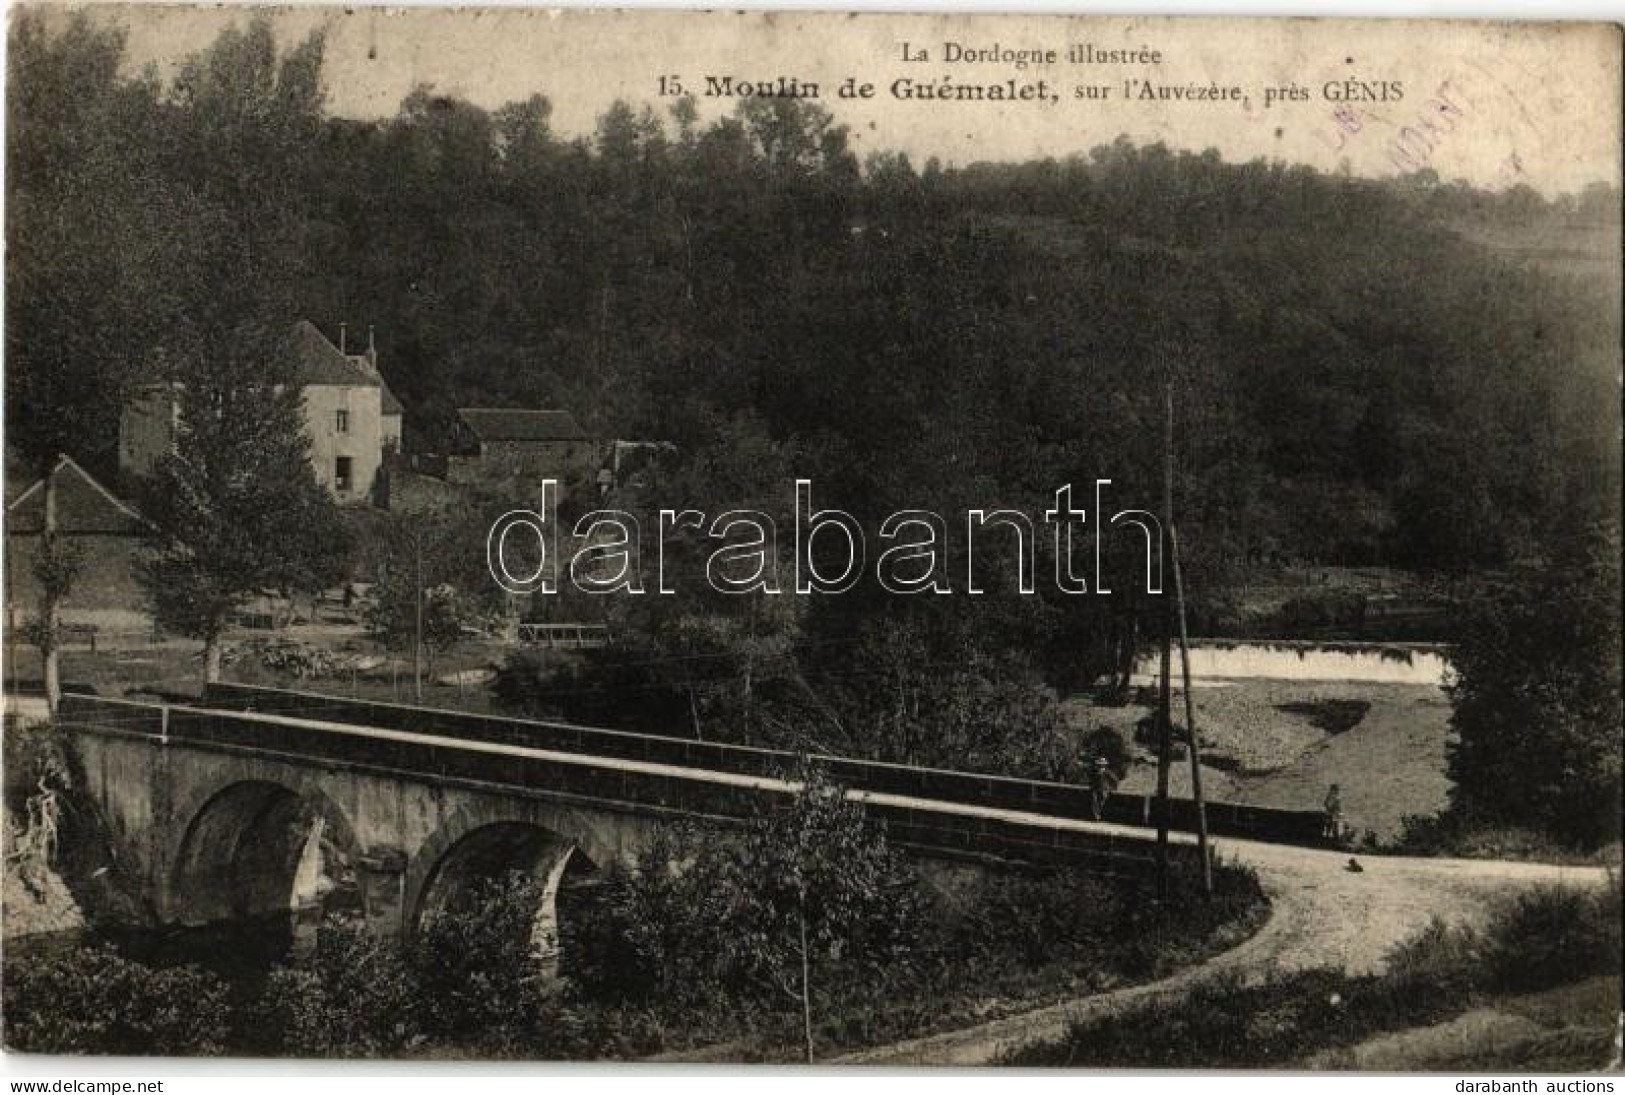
(344, 424)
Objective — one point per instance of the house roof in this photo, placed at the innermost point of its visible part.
(83, 506)
(388, 404)
(500, 424)
(321, 362)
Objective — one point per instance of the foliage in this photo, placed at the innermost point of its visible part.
(467, 982)
(1103, 741)
(905, 690)
(235, 509)
(1536, 699)
(438, 555)
(90, 1000)
(56, 568)
(475, 965)
(1552, 936)
(1344, 352)
(1534, 940)
(1451, 835)
(296, 659)
(351, 995)
(809, 892)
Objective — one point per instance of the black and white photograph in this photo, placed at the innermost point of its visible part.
(677, 539)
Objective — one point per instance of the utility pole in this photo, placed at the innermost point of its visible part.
(1190, 719)
(417, 630)
(1165, 699)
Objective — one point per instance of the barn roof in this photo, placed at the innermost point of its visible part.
(83, 506)
(504, 424)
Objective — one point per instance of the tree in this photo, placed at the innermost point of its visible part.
(816, 883)
(476, 960)
(56, 568)
(235, 509)
(1536, 699)
(812, 890)
(431, 580)
(83, 299)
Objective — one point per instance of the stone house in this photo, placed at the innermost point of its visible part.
(508, 447)
(352, 419)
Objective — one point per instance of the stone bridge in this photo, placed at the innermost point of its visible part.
(257, 802)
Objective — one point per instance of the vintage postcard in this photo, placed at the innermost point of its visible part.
(788, 537)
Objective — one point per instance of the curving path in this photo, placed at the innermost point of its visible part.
(1320, 914)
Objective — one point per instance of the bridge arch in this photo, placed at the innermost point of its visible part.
(486, 842)
(256, 847)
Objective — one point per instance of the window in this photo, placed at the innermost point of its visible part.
(341, 420)
(342, 473)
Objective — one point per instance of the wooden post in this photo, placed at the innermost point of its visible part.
(1165, 698)
(1190, 719)
(417, 630)
(50, 610)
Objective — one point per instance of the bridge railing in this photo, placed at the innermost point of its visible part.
(694, 791)
(135, 717)
(969, 788)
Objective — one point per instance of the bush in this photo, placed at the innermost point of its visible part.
(1552, 936)
(1106, 742)
(475, 967)
(1452, 834)
(722, 926)
(352, 995)
(1533, 941)
(90, 1000)
(1536, 701)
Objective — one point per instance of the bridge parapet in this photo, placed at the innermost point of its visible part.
(927, 826)
(1051, 799)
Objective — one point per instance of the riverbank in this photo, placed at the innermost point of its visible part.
(1283, 743)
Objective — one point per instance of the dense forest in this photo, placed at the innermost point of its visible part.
(1358, 379)
(1361, 375)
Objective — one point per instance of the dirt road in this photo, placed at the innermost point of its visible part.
(1321, 914)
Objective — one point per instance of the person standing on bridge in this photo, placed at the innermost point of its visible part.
(1332, 818)
(1102, 782)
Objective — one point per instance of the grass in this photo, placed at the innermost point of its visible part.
(986, 947)
(1448, 835)
(175, 668)
(1535, 942)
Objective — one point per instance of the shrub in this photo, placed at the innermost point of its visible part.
(1536, 700)
(476, 969)
(91, 1000)
(352, 995)
(805, 901)
(1104, 741)
(1551, 936)
(1533, 941)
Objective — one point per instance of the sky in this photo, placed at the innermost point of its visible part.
(1496, 104)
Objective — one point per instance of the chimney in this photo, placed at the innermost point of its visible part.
(372, 348)
(342, 327)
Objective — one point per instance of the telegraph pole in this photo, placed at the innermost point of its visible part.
(417, 629)
(1165, 700)
(1190, 719)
